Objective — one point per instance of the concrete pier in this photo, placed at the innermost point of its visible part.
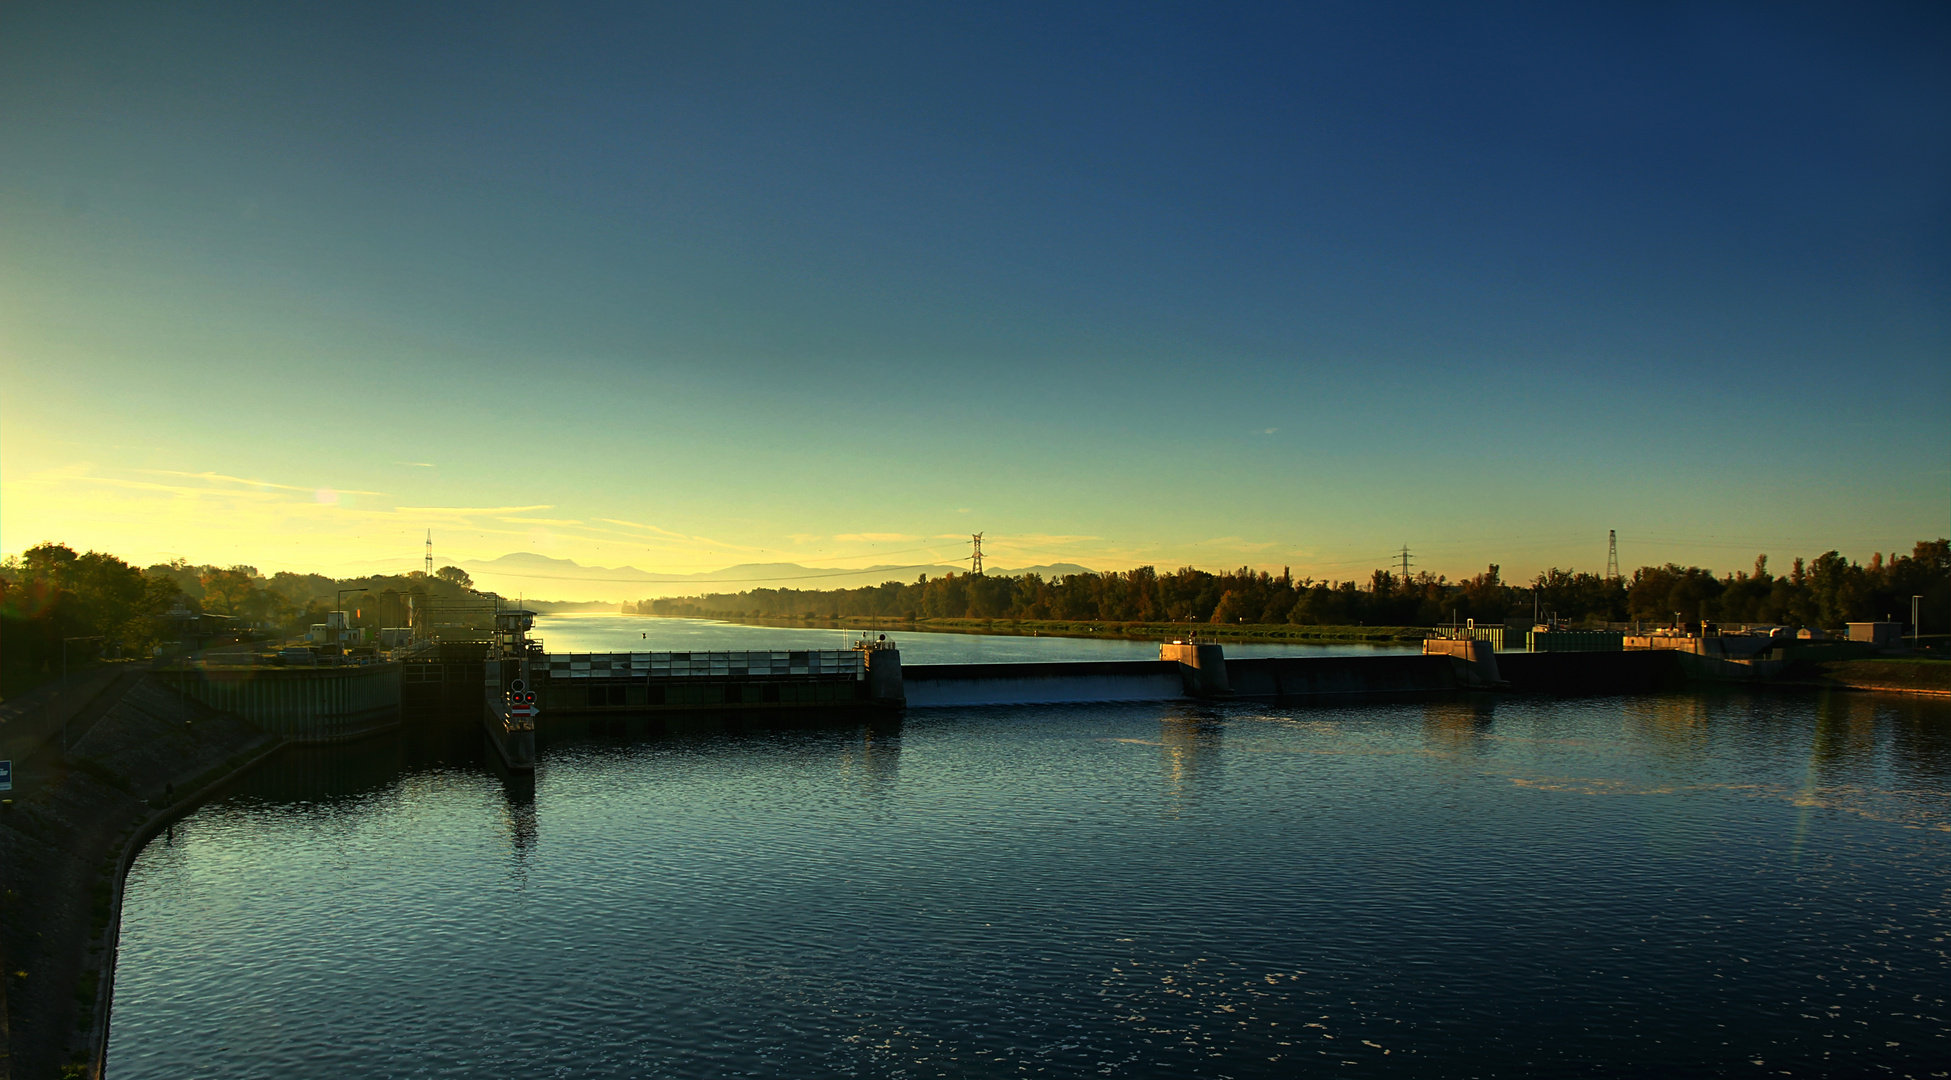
(513, 739)
(1475, 661)
(1202, 667)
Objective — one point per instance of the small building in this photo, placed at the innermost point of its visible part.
(1884, 635)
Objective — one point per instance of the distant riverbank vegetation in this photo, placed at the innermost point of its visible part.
(1825, 591)
(54, 600)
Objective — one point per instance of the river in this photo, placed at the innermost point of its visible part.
(1693, 884)
(579, 633)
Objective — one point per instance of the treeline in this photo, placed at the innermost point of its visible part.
(1825, 591)
(53, 600)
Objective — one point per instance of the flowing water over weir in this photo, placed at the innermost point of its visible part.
(1468, 884)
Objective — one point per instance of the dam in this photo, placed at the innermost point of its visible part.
(518, 691)
(872, 675)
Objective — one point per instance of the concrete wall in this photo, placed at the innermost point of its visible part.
(326, 704)
(1592, 672)
(1574, 641)
(1311, 676)
(1045, 683)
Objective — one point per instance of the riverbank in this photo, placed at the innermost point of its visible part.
(138, 756)
(1242, 633)
(1897, 674)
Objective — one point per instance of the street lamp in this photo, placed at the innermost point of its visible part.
(338, 604)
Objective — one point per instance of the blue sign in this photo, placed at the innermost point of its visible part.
(6, 776)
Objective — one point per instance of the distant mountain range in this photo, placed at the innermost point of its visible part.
(525, 573)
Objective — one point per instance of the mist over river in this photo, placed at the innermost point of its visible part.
(1689, 884)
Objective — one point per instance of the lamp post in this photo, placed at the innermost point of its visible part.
(338, 604)
(1916, 631)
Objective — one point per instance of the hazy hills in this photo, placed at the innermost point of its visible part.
(539, 576)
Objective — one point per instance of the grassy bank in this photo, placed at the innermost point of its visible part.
(1129, 631)
(1909, 674)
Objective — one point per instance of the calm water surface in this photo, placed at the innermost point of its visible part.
(638, 633)
(1671, 885)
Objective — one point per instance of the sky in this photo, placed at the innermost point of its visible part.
(683, 286)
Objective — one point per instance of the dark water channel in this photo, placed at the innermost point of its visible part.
(1670, 885)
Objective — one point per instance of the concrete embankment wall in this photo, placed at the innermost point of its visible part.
(76, 821)
(1287, 678)
(307, 705)
(1040, 684)
(1314, 676)
(1165, 680)
(1591, 672)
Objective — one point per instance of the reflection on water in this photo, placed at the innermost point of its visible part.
(872, 760)
(1189, 744)
(1459, 724)
(518, 816)
(1666, 885)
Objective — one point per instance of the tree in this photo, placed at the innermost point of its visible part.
(454, 575)
(227, 592)
(51, 593)
(1235, 606)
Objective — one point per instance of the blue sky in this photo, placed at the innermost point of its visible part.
(684, 286)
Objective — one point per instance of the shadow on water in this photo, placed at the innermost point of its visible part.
(617, 726)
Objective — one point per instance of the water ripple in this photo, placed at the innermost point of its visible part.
(1673, 885)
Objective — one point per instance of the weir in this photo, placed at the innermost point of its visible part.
(517, 691)
(872, 676)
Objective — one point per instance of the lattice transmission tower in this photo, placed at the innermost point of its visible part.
(430, 553)
(1612, 554)
(1405, 562)
(975, 555)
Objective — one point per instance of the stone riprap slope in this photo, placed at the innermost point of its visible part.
(133, 759)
